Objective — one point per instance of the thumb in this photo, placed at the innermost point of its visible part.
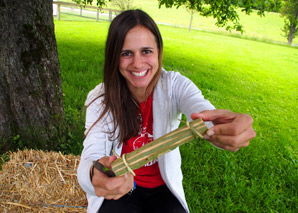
(206, 115)
(107, 161)
(111, 159)
(195, 116)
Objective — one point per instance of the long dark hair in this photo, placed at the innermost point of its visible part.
(118, 100)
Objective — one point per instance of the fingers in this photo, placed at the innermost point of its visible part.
(231, 131)
(232, 143)
(109, 190)
(120, 191)
(111, 187)
(239, 124)
(99, 179)
(125, 188)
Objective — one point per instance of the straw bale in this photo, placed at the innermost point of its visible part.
(38, 181)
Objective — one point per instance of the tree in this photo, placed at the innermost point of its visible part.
(274, 5)
(123, 4)
(191, 12)
(290, 12)
(31, 110)
(224, 11)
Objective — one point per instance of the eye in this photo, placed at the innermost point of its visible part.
(125, 54)
(146, 52)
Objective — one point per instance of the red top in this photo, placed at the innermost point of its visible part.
(149, 175)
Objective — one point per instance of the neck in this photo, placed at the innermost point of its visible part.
(141, 95)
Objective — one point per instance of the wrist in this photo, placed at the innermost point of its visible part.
(134, 187)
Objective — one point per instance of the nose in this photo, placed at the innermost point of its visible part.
(137, 61)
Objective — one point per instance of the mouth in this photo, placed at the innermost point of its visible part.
(140, 74)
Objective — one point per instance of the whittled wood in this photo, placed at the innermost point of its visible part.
(151, 151)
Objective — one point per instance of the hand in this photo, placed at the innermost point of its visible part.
(111, 187)
(231, 130)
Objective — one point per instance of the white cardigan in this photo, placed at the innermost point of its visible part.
(173, 95)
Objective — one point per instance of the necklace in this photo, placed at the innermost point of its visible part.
(142, 107)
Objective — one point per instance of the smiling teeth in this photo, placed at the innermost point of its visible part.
(140, 74)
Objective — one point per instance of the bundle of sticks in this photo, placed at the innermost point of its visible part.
(145, 154)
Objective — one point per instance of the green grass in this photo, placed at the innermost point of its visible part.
(266, 28)
(237, 74)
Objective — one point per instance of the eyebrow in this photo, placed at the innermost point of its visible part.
(142, 48)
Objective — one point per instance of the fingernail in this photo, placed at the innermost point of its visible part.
(126, 176)
(210, 132)
(206, 137)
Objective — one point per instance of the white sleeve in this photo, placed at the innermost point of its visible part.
(95, 145)
(189, 97)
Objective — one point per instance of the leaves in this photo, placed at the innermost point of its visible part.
(290, 12)
(224, 11)
(99, 3)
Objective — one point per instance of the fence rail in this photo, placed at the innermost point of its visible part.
(82, 7)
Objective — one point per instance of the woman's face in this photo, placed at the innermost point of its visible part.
(139, 60)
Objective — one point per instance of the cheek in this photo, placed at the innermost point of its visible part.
(123, 64)
(154, 61)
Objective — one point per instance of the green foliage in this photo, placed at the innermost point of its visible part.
(290, 12)
(233, 73)
(223, 11)
(12, 143)
(99, 3)
(3, 158)
(274, 5)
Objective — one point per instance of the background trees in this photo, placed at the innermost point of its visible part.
(123, 4)
(224, 11)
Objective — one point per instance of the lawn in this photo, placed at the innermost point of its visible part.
(237, 74)
(267, 28)
(264, 28)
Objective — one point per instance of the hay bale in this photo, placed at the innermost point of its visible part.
(38, 181)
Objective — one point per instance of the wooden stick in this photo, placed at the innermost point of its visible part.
(137, 158)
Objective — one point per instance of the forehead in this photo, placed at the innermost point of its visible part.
(140, 36)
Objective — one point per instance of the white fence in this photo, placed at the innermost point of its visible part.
(83, 11)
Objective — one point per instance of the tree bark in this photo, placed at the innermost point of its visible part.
(30, 83)
(291, 33)
(290, 39)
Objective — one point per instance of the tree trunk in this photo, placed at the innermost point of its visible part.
(291, 33)
(190, 23)
(290, 39)
(30, 83)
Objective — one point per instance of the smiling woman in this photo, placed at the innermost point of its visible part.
(138, 102)
(139, 61)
